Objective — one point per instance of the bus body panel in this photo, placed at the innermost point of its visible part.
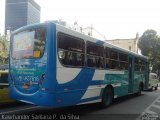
(26, 75)
(65, 86)
(76, 91)
(26, 79)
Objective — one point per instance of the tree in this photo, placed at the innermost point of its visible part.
(4, 49)
(149, 43)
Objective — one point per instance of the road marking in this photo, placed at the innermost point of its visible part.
(149, 111)
(152, 109)
(12, 111)
(156, 106)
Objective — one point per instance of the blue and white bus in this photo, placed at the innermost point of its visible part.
(51, 65)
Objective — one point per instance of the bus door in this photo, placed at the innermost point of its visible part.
(130, 82)
(146, 75)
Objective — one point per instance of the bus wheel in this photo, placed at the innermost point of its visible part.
(152, 88)
(156, 87)
(107, 97)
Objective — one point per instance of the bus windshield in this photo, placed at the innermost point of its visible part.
(29, 43)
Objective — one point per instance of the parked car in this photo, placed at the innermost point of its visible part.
(4, 87)
(153, 81)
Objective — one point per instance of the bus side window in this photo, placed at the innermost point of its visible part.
(107, 63)
(101, 62)
(71, 50)
(113, 56)
(123, 61)
(139, 65)
(91, 61)
(95, 55)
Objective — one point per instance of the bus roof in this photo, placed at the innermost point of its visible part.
(29, 26)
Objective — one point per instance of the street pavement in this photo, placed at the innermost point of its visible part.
(143, 107)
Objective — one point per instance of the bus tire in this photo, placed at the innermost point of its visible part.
(107, 97)
(152, 88)
(156, 87)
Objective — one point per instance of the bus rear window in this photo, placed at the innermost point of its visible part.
(29, 44)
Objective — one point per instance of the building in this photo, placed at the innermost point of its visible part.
(129, 44)
(19, 13)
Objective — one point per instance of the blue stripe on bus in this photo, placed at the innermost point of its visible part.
(81, 81)
(90, 99)
(77, 88)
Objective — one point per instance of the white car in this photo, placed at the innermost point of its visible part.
(153, 81)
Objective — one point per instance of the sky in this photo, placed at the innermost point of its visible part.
(115, 19)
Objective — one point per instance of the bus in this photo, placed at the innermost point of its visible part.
(51, 65)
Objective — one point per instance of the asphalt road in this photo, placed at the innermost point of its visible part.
(126, 108)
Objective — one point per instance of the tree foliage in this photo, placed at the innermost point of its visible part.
(4, 49)
(146, 41)
(149, 43)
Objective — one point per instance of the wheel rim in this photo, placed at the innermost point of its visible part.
(108, 98)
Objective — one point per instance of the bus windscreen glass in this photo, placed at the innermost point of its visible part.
(29, 44)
